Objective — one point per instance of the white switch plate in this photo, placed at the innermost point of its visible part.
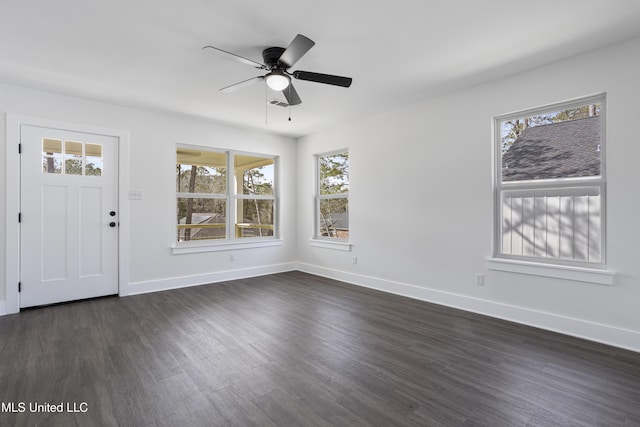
(136, 195)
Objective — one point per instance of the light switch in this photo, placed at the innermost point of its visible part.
(136, 195)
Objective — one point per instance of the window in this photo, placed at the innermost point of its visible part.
(550, 184)
(224, 195)
(332, 201)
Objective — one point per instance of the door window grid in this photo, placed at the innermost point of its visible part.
(71, 158)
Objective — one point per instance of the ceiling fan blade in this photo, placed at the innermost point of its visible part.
(240, 85)
(292, 95)
(239, 58)
(323, 78)
(296, 50)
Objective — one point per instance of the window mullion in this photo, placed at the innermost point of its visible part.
(254, 197)
(202, 195)
(334, 196)
(231, 200)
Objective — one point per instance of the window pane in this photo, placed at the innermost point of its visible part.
(334, 218)
(201, 219)
(334, 174)
(51, 156)
(554, 145)
(200, 171)
(257, 218)
(93, 159)
(560, 224)
(72, 158)
(257, 174)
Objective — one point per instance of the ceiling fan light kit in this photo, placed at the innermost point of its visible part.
(277, 80)
(277, 61)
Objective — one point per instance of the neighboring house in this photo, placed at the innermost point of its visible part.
(558, 150)
(549, 217)
(204, 233)
(338, 224)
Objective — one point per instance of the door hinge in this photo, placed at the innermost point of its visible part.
(20, 148)
(19, 216)
(19, 286)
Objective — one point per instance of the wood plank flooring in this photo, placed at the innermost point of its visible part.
(298, 350)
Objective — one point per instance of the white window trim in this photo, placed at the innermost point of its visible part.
(231, 242)
(342, 245)
(579, 274)
(564, 269)
(180, 248)
(317, 240)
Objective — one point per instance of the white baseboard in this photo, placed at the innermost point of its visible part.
(147, 286)
(605, 334)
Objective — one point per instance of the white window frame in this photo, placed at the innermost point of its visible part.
(544, 266)
(318, 240)
(231, 197)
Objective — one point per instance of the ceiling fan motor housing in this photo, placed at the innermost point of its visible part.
(271, 55)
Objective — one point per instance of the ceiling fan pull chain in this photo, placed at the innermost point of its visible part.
(289, 89)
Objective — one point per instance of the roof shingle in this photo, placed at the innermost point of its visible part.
(559, 150)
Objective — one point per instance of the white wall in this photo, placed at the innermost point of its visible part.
(421, 197)
(152, 169)
(421, 201)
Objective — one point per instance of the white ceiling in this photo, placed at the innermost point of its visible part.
(147, 53)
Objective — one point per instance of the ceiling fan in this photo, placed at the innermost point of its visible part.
(277, 61)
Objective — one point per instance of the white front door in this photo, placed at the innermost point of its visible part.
(69, 215)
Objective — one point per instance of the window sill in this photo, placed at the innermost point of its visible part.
(191, 248)
(579, 274)
(328, 244)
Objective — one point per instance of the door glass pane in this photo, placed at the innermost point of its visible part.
(73, 158)
(51, 156)
(93, 160)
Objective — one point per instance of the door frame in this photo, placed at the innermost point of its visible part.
(12, 230)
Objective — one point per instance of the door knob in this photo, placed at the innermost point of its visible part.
(112, 213)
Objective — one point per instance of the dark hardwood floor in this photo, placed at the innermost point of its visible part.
(298, 350)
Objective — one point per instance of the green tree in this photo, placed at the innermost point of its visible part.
(259, 212)
(73, 166)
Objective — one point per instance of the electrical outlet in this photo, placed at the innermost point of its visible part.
(354, 260)
(232, 257)
(479, 279)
